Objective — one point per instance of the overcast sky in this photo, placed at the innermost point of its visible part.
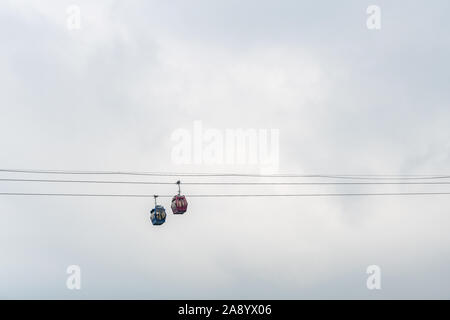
(109, 96)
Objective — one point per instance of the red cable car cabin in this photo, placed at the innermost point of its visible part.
(179, 204)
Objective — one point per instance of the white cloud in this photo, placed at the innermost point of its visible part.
(109, 96)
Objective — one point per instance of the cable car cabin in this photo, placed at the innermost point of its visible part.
(158, 215)
(179, 204)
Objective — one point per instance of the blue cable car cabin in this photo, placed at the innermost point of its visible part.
(158, 215)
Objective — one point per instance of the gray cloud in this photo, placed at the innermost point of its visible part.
(108, 97)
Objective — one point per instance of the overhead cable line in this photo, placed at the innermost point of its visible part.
(219, 183)
(192, 174)
(225, 195)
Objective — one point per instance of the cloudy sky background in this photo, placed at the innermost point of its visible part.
(109, 96)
